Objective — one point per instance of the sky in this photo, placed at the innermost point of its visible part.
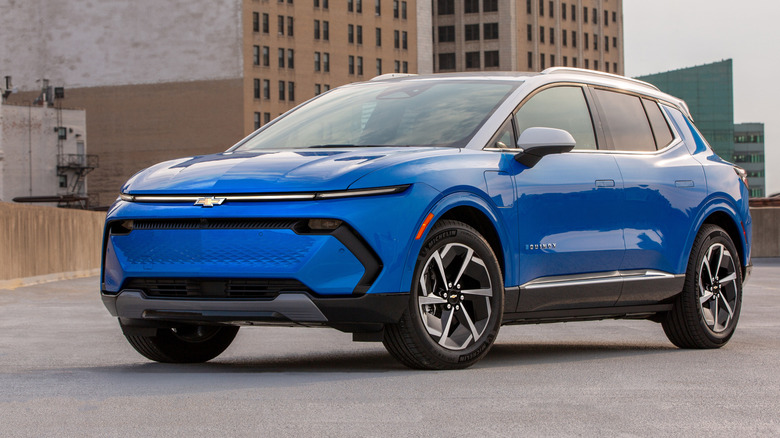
(662, 35)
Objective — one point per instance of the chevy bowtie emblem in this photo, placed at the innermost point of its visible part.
(209, 202)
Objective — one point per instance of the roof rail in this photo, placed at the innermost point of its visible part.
(391, 76)
(553, 70)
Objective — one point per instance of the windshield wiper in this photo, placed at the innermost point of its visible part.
(354, 146)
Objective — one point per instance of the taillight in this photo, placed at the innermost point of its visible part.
(742, 175)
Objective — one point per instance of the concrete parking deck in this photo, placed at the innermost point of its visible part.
(66, 370)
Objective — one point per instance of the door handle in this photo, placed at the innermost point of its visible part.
(683, 183)
(605, 183)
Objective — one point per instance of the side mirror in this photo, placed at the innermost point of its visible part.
(535, 143)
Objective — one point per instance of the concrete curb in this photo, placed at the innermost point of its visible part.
(48, 278)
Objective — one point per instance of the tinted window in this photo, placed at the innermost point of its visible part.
(663, 136)
(627, 122)
(561, 108)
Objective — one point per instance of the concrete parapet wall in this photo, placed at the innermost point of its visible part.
(37, 241)
(766, 231)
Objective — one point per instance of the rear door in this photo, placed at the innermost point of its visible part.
(663, 186)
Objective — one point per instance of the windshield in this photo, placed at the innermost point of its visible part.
(407, 113)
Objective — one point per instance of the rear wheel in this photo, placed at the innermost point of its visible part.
(184, 344)
(705, 315)
(456, 302)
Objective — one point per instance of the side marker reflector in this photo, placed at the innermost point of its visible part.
(424, 226)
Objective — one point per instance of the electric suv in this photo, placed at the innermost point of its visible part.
(427, 211)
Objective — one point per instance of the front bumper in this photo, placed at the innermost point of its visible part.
(287, 308)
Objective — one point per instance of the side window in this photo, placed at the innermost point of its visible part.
(661, 132)
(504, 138)
(627, 124)
(561, 108)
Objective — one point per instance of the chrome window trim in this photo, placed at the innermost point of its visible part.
(264, 197)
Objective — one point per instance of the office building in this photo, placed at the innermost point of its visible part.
(527, 35)
(749, 154)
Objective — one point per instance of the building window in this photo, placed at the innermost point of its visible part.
(471, 32)
(574, 61)
(587, 64)
(256, 55)
(404, 42)
(257, 88)
(595, 16)
(360, 34)
(406, 67)
(290, 58)
(489, 5)
(397, 67)
(614, 42)
(265, 23)
(565, 61)
(606, 43)
(614, 17)
(541, 61)
(573, 12)
(446, 34)
(403, 10)
(606, 66)
(317, 62)
(585, 13)
(257, 125)
(325, 30)
(563, 11)
(63, 181)
(325, 4)
(289, 26)
(491, 58)
(552, 60)
(527, 6)
(378, 66)
(291, 91)
(530, 60)
(351, 33)
(573, 38)
(350, 5)
(595, 42)
(551, 9)
(266, 89)
(359, 4)
(316, 3)
(564, 38)
(396, 39)
(470, 6)
(445, 7)
(606, 18)
(326, 87)
(255, 22)
(586, 41)
(266, 56)
(378, 37)
(317, 89)
(281, 58)
(281, 90)
(266, 118)
(395, 8)
(378, 7)
(530, 30)
(541, 8)
(552, 35)
(472, 60)
(316, 29)
(490, 31)
(541, 34)
(446, 61)
(360, 66)
(595, 64)
(326, 62)
(280, 24)
(351, 65)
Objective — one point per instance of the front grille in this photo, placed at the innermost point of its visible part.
(212, 224)
(259, 288)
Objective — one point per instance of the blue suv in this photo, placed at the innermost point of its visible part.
(426, 211)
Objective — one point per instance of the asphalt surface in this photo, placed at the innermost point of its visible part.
(66, 370)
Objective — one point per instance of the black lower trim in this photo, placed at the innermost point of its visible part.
(363, 253)
(369, 308)
(624, 312)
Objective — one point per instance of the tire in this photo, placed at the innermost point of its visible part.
(706, 313)
(184, 344)
(450, 326)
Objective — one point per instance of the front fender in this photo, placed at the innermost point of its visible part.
(464, 199)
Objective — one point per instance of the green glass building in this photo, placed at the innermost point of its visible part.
(709, 92)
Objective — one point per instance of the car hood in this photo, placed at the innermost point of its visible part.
(271, 171)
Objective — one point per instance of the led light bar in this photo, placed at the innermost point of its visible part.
(264, 197)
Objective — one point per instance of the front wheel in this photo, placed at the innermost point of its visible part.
(455, 305)
(705, 314)
(184, 344)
